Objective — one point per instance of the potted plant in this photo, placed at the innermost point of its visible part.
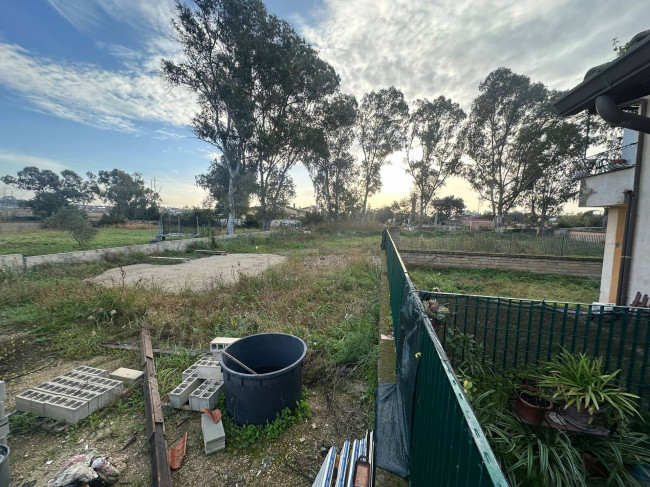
(581, 385)
(436, 312)
(530, 405)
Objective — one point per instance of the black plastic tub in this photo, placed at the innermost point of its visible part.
(278, 360)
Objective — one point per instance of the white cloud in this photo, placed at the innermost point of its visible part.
(447, 47)
(429, 48)
(88, 94)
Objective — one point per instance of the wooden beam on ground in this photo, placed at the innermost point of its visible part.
(160, 472)
(136, 348)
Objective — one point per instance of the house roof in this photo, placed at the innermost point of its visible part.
(626, 78)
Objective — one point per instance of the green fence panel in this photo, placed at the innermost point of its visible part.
(585, 245)
(448, 447)
(521, 331)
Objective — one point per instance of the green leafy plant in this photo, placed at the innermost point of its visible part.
(465, 345)
(614, 456)
(250, 434)
(579, 381)
(529, 456)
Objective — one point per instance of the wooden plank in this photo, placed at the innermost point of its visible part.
(136, 348)
(160, 471)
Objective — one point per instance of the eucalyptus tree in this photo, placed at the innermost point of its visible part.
(380, 132)
(559, 151)
(501, 167)
(433, 152)
(331, 165)
(223, 43)
(292, 83)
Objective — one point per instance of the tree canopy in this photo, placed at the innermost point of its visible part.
(380, 132)
(433, 153)
(52, 191)
(256, 82)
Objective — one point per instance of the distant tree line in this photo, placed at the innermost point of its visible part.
(267, 102)
(127, 194)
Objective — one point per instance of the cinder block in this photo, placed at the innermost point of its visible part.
(95, 396)
(84, 369)
(127, 376)
(181, 394)
(189, 372)
(31, 401)
(65, 409)
(218, 344)
(4, 428)
(205, 396)
(209, 370)
(106, 391)
(214, 436)
(2, 410)
(3, 391)
(115, 386)
(3, 441)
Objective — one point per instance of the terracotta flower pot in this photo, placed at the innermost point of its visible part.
(529, 407)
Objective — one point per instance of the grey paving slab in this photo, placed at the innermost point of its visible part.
(214, 436)
(128, 377)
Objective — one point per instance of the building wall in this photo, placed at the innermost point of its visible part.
(585, 267)
(640, 270)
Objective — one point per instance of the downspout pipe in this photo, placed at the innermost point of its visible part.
(610, 112)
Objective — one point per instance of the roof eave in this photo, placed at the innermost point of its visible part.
(634, 64)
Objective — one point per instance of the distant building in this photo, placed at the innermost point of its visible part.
(477, 223)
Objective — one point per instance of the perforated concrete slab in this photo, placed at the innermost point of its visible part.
(197, 275)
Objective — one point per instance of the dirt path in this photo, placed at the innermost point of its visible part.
(197, 275)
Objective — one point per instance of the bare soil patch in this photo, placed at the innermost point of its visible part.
(197, 275)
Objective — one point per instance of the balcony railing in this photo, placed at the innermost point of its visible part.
(604, 162)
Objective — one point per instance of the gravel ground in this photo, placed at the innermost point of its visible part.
(196, 275)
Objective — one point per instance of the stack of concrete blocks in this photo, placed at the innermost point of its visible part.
(70, 397)
(218, 344)
(4, 420)
(201, 384)
(214, 436)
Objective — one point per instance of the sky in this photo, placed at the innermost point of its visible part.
(80, 86)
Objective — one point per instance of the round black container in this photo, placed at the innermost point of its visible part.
(278, 360)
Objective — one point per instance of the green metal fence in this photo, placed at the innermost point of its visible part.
(448, 447)
(521, 331)
(583, 245)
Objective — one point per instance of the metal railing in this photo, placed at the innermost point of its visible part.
(514, 332)
(448, 446)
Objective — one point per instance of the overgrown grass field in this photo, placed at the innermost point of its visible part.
(49, 241)
(326, 292)
(513, 284)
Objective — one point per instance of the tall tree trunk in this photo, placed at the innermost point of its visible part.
(232, 173)
(421, 211)
(365, 201)
(498, 219)
(542, 221)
